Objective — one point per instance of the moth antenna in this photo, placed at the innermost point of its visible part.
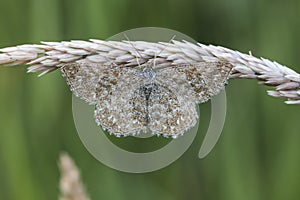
(156, 55)
(169, 43)
(137, 60)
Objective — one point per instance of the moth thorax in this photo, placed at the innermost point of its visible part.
(148, 75)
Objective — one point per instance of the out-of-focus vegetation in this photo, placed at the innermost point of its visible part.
(258, 155)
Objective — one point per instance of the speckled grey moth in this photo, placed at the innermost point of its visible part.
(131, 100)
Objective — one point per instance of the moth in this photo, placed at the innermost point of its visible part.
(131, 100)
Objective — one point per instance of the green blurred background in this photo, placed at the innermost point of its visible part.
(257, 156)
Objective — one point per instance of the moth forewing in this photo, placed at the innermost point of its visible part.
(92, 82)
(83, 79)
(197, 82)
(214, 76)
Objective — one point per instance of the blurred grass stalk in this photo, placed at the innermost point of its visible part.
(71, 186)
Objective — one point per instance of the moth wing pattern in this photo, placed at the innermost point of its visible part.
(215, 76)
(111, 88)
(83, 79)
(199, 81)
(92, 82)
(123, 112)
(170, 114)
